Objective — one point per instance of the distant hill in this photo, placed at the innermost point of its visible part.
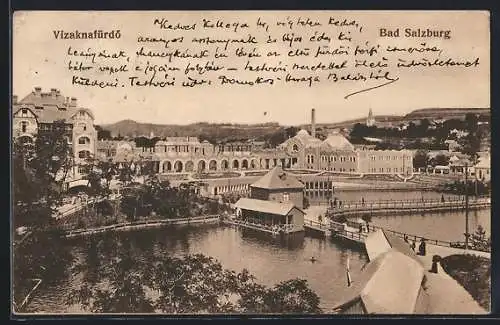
(132, 128)
(426, 113)
(449, 113)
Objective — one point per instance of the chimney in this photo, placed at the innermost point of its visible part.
(73, 101)
(14, 99)
(53, 92)
(313, 123)
(38, 91)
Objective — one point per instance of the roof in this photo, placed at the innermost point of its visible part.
(401, 246)
(276, 178)
(47, 114)
(382, 241)
(390, 284)
(106, 144)
(264, 206)
(376, 244)
(122, 156)
(49, 107)
(484, 163)
(338, 141)
(460, 162)
(307, 139)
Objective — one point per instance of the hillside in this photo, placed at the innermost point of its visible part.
(449, 113)
(251, 131)
(129, 128)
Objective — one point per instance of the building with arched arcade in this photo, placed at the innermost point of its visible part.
(178, 155)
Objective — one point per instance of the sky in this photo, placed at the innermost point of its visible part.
(40, 60)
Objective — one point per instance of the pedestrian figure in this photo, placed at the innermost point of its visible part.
(340, 204)
(413, 245)
(421, 247)
(442, 198)
(335, 202)
(406, 239)
(363, 201)
(434, 267)
(360, 228)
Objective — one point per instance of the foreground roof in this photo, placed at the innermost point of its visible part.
(389, 284)
(270, 207)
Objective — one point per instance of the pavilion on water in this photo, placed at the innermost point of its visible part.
(275, 203)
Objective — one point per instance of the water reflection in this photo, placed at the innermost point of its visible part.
(270, 259)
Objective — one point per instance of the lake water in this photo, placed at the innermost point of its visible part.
(270, 260)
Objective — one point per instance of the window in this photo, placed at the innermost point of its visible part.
(82, 114)
(84, 140)
(24, 112)
(286, 197)
(24, 126)
(84, 154)
(82, 169)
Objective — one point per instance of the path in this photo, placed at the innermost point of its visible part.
(440, 285)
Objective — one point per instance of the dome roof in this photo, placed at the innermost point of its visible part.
(302, 133)
(338, 141)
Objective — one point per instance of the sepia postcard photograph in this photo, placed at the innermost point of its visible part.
(250, 163)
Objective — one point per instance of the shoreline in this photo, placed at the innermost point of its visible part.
(138, 225)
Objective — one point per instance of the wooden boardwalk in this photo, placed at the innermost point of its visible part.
(134, 225)
(349, 209)
(351, 234)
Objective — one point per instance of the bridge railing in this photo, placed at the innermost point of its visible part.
(258, 224)
(339, 228)
(402, 204)
(316, 224)
(416, 238)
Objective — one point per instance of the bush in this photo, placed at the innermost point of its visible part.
(473, 273)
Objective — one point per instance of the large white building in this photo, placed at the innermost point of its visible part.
(303, 151)
(338, 155)
(37, 112)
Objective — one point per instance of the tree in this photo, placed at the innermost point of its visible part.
(424, 126)
(305, 202)
(189, 284)
(39, 174)
(471, 122)
(441, 160)
(421, 159)
(103, 134)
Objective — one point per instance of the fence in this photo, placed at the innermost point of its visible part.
(144, 224)
(339, 229)
(316, 225)
(459, 202)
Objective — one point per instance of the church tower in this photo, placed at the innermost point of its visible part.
(370, 121)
